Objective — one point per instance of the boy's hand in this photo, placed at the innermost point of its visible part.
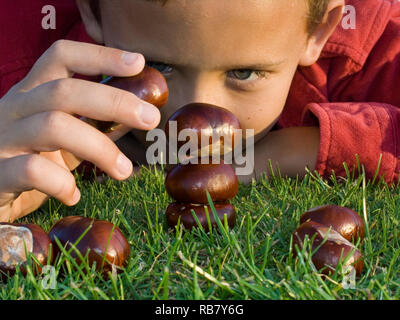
(41, 139)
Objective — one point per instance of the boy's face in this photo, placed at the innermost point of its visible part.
(240, 55)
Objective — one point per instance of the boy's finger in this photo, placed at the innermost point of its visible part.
(27, 172)
(51, 131)
(89, 99)
(65, 57)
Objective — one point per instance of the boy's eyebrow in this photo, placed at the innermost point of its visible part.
(256, 66)
(253, 66)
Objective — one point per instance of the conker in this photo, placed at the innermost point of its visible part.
(183, 211)
(190, 182)
(332, 251)
(149, 85)
(343, 220)
(207, 120)
(105, 243)
(16, 240)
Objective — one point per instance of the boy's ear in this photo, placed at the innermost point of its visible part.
(322, 32)
(91, 20)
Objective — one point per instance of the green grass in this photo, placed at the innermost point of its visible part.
(253, 261)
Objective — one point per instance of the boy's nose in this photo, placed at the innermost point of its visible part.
(200, 89)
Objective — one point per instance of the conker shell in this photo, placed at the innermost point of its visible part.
(332, 251)
(15, 238)
(104, 241)
(149, 85)
(190, 182)
(343, 220)
(184, 211)
(207, 120)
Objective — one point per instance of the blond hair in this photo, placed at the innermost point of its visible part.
(316, 12)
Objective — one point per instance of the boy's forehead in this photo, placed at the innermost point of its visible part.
(184, 31)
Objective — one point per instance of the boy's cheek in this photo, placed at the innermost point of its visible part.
(262, 117)
(261, 121)
(264, 110)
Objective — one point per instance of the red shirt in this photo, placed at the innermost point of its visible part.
(352, 93)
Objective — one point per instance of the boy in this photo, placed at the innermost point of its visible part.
(315, 94)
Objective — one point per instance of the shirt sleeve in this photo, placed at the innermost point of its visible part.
(357, 134)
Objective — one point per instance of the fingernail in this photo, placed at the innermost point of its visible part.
(124, 165)
(76, 196)
(129, 58)
(149, 113)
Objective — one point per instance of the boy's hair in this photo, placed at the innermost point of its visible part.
(316, 11)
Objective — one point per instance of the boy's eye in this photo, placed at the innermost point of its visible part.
(162, 67)
(242, 74)
(247, 79)
(241, 78)
(248, 74)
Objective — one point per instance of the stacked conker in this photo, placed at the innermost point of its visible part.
(103, 242)
(149, 85)
(188, 184)
(207, 122)
(16, 240)
(333, 230)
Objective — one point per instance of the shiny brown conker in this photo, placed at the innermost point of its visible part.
(16, 240)
(343, 220)
(104, 242)
(335, 249)
(216, 124)
(149, 85)
(183, 211)
(190, 182)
